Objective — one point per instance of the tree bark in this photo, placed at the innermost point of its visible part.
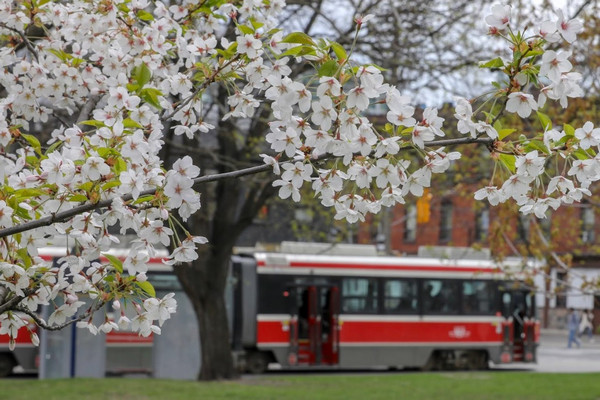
(204, 283)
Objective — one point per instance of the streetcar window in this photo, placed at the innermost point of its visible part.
(478, 297)
(271, 290)
(359, 295)
(506, 300)
(440, 296)
(400, 296)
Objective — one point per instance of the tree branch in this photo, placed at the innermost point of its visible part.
(42, 324)
(64, 216)
(12, 303)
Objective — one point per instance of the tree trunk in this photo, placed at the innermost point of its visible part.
(217, 362)
(204, 283)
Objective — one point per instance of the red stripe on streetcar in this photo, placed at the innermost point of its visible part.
(271, 332)
(394, 332)
(22, 338)
(127, 337)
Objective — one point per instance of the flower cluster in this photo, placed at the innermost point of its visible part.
(106, 80)
(529, 182)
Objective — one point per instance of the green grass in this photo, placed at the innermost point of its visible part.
(405, 386)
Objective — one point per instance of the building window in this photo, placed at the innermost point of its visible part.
(410, 223)
(482, 224)
(446, 221)
(523, 227)
(561, 289)
(588, 220)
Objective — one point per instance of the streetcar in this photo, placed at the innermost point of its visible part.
(333, 311)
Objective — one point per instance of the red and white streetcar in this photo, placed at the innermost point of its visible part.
(302, 310)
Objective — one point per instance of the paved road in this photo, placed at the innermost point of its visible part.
(554, 356)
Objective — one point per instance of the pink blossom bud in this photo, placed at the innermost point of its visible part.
(71, 298)
(35, 340)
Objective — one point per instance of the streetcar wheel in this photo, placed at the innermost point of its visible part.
(477, 360)
(7, 363)
(434, 363)
(256, 363)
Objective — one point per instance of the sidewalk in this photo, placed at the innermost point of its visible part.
(554, 356)
(558, 338)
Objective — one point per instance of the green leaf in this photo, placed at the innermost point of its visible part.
(495, 63)
(146, 287)
(502, 133)
(497, 125)
(298, 37)
(256, 24)
(537, 145)
(32, 160)
(299, 51)
(294, 51)
(129, 123)
(86, 186)
(569, 130)
(105, 152)
(508, 160)
(246, 30)
(26, 193)
(115, 262)
(110, 184)
(306, 50)
(145, 15)
(33, 141)
(329, 68)
(53, 147)
(133, 87)
(24, 255)
(545, 121)
(534, 53)
(123, 7)
(93, 122)
(76, 62)
(142, 74)
(582, 155)
(339, 51)
(143, 199)
(120, 165)
(79, 198)
(150, 96)
(60, 54)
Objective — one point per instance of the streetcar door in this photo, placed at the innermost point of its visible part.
(520, 325)
(305, 326)
(330, 326)
(314, 328)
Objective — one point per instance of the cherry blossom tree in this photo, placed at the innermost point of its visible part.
(94, 91)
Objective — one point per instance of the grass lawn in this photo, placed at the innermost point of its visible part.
(405, 386)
